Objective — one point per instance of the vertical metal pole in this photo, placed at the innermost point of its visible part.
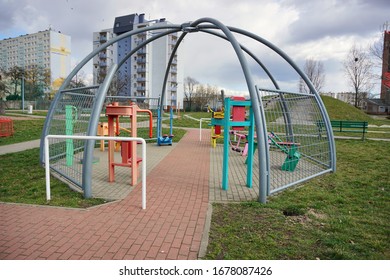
(171, 122)
(47, 168)
(69, 131)
(22, 89)
(143, 173)
(225, 164)
(249, 175)
(133, 145)
(92, 129)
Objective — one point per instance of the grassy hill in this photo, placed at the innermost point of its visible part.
(339, 110)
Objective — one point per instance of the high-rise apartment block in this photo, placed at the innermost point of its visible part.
(47, 49)
(141, 75)
(106, 57)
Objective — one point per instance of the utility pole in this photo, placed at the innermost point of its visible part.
(22, 85)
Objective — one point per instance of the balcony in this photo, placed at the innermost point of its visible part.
(102, 39)
(141, 79)
(141, 70)
(141, 88)
(141, 60)
(141, 51)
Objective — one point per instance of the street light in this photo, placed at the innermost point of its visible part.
(22, 92)
(356, 82)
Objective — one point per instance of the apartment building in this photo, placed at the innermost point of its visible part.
(47, 49)
(103, 61)
(142, 75)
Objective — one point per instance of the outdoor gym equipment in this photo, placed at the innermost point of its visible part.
(235, 107)
(216, 128)
(71, 118)
(128, 148)
(6, 127)
(291, 114)
(289, 148)
(239, 139)
(164, 139)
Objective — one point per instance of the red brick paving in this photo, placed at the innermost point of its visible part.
(170, 228)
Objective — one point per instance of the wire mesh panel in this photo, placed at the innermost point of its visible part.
(298, 146)
(71, 116)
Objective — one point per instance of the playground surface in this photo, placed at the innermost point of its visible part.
(181, 183)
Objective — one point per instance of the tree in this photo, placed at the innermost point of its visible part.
(4, 91)
(314, 70)
(204, 95)
(15, 74)
(190, 85)
(376, 48)
(117, 85)
(358, 70)
(78, 81)
(37, 79)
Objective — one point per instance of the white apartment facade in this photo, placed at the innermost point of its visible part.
(103, 61)
(143, 74)
(47, 49)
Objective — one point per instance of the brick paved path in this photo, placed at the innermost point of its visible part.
(170, 228)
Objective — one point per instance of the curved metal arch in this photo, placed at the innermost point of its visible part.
(79, 66)
(264, 164)
(203, 24)
(143, 44)
(329, 131)
(255, 58)
(163, 89)
(92, 129)
(286, 114)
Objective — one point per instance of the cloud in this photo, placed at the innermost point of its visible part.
(323, 30)
(319, 19)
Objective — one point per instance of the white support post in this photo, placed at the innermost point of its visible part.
(200, 127)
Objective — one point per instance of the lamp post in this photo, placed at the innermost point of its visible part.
(22, 92)
(356, 82)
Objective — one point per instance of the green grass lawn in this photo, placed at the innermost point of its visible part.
(184, 121)
(344, 215)
(22, 180)
(24, 130)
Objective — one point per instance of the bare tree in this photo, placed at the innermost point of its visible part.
(376, 48)
(358, 70)
(190, 85)
(203, 95)
(37, 79)
(315, 71)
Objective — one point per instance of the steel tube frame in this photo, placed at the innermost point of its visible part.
(205, 25)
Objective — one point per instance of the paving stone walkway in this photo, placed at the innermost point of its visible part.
(170, 228)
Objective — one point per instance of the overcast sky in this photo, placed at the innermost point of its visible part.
(321, 29)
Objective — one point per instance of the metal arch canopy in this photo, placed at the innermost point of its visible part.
(205, 25)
